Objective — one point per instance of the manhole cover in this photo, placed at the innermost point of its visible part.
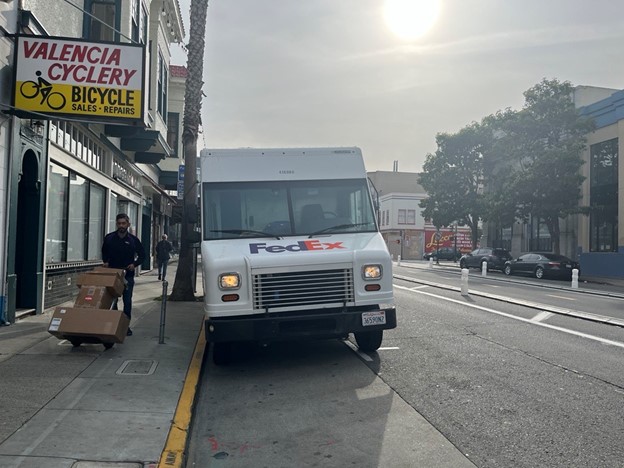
(137, 367)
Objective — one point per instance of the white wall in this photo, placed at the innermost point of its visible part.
(401, 201)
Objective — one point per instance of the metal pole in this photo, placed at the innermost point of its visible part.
(464, 282)
(163, 312)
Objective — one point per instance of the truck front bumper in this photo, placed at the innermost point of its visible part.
(273, 327)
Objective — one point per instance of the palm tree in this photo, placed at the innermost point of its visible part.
(183, 287)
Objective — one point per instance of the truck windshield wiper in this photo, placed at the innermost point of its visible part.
(247, 231)
(339, 226)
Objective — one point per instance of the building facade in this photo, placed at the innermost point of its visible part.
(67, 178)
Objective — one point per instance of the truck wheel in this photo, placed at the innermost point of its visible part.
(75, 343)
(369, 341)
(221, 353)
(108, 345)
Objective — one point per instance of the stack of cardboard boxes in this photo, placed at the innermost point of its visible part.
(91, 320)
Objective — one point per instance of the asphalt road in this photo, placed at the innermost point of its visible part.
(466, 379)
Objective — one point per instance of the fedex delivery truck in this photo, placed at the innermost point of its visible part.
(291, 249)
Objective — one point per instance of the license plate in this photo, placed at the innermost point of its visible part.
(373, 318)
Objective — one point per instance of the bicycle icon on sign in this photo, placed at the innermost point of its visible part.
(32, 89)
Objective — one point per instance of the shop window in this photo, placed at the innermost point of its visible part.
(75, 217)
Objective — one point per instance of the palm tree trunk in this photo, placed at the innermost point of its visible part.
(183, 287)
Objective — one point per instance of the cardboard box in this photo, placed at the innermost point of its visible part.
(113, 283)
(94, 297)
(104, 326)
(109, 271)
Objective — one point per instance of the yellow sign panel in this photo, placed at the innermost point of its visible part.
(61, 76)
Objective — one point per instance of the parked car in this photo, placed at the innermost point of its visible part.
(494, 258)
(443, 253)
(541, 264)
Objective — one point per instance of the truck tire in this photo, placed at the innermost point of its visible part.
(108, 345)
(75, 342)
(221, 353)
(369, 341)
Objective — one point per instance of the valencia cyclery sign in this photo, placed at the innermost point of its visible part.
(65, 76)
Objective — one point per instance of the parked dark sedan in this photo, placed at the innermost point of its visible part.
(443, 253)
(540, 265)
(494, 258)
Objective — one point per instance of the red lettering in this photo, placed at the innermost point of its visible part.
(128, 74)
(51, 72)
(90, 55)
(115, 75)
(28, 50)
(42, 51)
(80, 53)
(333, 245)
(313, 245)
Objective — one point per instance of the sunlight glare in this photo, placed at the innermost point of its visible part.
(411, 19)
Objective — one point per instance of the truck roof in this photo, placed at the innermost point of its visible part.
(266, 164)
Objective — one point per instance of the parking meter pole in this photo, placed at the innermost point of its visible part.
(484, 269)
(163, 312)
(575, 275)
(430, 262)
(464, 282)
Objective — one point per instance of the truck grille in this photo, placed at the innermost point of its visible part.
(302, 288)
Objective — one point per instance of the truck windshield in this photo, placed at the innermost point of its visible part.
(286, 208)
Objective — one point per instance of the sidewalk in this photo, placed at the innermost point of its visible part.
(87, 407)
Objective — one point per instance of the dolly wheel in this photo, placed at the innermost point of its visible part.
(108, 345)
(75, 343)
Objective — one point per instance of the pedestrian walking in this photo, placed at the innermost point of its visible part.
(163, 254)
(123, 250)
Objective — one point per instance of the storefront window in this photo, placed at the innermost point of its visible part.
(78, 189)
(56, 242)
(96, 222)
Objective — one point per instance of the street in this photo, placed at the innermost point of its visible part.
(462, 380)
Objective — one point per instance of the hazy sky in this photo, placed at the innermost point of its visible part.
(285, 73)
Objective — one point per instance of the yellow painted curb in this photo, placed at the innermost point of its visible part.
(173, 453)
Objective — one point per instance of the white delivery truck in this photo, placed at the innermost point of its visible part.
(291, 249)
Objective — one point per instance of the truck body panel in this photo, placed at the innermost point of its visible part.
(291, 246)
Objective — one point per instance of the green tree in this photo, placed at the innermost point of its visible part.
(454, 176)
(183, 287)
(542, 145)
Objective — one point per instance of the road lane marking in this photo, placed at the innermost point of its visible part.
(420, 287)
(562, 297)
(521, 319)
(386, 348)
(542, 316)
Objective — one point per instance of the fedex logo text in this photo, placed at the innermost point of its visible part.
(300, 246)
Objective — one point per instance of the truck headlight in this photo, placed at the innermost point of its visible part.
(229, 281)
(371, 272)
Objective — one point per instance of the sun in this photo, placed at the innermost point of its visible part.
(411, 19)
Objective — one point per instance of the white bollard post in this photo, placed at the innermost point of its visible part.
(484, 269)
(430, 262)
(398, 260)
(464, 282)
(575, 275)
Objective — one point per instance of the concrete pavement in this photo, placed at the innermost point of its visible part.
(131, 406)
(86, 407)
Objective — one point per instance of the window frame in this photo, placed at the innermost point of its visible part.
(87, 19)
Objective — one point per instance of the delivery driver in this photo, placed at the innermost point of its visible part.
(125, 251)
